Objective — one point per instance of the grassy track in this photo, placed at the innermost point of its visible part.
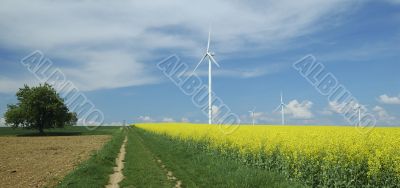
(190, 164)
(95, 171)
(141, 168)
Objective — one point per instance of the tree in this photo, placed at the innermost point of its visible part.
(39, 108)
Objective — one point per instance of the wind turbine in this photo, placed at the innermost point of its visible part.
(209, 55)
(252, 114)
(282, 105)
(358, 108)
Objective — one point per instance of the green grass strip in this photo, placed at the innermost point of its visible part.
(96, 170)
(141, 168)
(198, 168)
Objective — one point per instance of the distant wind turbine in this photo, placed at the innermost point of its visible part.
(252, 115)
(358, 108)
(281, 106)
(209, 55)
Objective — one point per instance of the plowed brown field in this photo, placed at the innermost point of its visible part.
(43, 161)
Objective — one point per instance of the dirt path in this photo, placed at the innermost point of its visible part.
(170, 175)
(117, 176)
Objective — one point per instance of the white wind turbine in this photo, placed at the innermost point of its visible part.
(252, 115)
(358, 107)
(209, 55)
(281, 106)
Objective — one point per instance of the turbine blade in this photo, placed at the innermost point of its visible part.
(202, 59)
(213, 60)
(277, 108)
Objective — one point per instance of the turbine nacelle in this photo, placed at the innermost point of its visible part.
(210, 57)
(359, 107)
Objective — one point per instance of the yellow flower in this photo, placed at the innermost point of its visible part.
(302, 150)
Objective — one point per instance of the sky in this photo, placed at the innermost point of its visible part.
(110, 50)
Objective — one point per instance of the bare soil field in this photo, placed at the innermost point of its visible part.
(43, 161)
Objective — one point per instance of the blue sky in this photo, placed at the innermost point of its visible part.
(109, 50)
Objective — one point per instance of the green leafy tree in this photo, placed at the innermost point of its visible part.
(39, 108)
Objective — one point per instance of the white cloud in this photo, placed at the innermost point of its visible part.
(259, 114)
(145, 119)
(52, 25)
(259, 117)
(262, 117)
(2, 122)
(84, 122)
(108, 44)
(185, 119)
(168, 119)
(380, 114)
(241, 73)
(214, 110)
(385, 99)
(326, 112)
(383, 116)
(295, 115)
(335, 107)
(299, 110)
(113, 124)
(339, 108)
(11, 85)
(108, 69)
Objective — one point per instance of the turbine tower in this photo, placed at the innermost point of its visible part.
(282, 106)
(252, 115)
(209, 55)
(358, 108)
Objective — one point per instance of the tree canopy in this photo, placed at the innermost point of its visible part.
(39, 108)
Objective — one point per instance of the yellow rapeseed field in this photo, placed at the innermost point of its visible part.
(314, 155)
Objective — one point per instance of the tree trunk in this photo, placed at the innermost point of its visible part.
(41, 129)
(41, 125)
